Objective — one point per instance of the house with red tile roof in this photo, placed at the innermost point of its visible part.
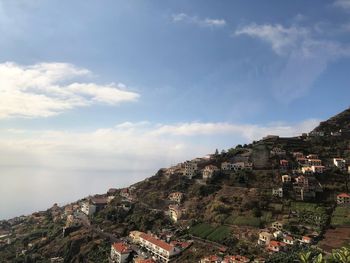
(276, 246)
(236, 259)
(343, 199)
(142, 260)
(318, 169)
(306, 240)
(289, 240)
(211, 259)
(120, 252)
(316, 162)
(159, 248)
(284, 164)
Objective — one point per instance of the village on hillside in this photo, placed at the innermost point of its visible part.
(248, 204)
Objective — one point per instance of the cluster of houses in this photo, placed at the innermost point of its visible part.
(301, 184)
(192, 168)
(275, 239)
(146, 248)
(226, 259)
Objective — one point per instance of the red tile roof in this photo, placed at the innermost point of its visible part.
(237, 258)
(344, 195)
(121, 248)
(146, 261)
(157, 242)
(211, 258)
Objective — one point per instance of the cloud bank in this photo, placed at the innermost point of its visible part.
(306, 55)
(206, 22)
(48, 89)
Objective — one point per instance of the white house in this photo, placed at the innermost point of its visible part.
(264, 238)
(277, 192)
(209, 170)
(160, 249)
(175, 212)
(286, 178)
(88, 208)
(176, 197)
(318, 169)
(307, 170)
(190, 169)
(343, 199)
(226, 166)
(339, 162)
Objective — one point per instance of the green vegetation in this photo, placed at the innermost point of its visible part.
(219, 234)
(202, 230)
(206, 231)
(341, 216)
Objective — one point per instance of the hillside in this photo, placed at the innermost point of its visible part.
(338, 122)
(222, 204)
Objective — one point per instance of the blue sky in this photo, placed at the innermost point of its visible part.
(97, 85)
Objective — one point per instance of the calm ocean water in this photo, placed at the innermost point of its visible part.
(26, 190)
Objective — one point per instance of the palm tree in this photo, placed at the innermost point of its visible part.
(341, 255)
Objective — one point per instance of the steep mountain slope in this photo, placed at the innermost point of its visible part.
(224, 212)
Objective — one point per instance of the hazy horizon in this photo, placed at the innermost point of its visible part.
(95, 96)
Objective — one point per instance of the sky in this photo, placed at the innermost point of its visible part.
(98, 94)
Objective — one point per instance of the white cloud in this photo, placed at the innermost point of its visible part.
(207, 22)
(345, 4)
(305, 52)
(248, 132)
(48, 89)
(143, 143)
(65, 166)
(281, 38)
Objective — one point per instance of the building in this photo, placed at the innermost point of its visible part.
(264, 238)
(307, 170)
(237, 166)
(93, 205)
(176, 197)
(286, 178)
(135, 236)
(226, 166)
(159, 248)
(289, 240)
(175, 212)
(298, 155)
(316, 162)
(276, 151)
(343, 199)
(112, 191)
(306, 240)
(190, 169)
(301, 160)
(209, 171)
(317, 169)
(276, 246)
(88, 208)
(277, 192)
(284, 164)
(277, 225)
(235, 259)
(211, 259)
(125, 192)
(339, 162)
(120, 252)
(312, 156)
(143, 260)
